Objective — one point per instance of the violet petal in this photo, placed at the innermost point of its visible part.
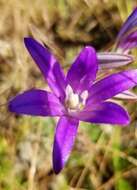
(112, 85)
(106, 112)
(83, 70)
(36, 102)
(128, 42)
(129, 24)
(48, 66)
(63, 142)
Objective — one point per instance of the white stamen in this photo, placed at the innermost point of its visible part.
(84, 96)
(71, 98)
(74, 101)
(69, 91)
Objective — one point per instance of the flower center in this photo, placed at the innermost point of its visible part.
(73, 101)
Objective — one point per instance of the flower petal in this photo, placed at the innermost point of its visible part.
(129, 24)
(112, 85)
(48, 66)
(36, 102)
(110, 60)
(128, 42)
(63, 142)
(107, 113)
(83, 70)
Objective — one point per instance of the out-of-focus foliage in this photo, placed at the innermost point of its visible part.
(104, 157)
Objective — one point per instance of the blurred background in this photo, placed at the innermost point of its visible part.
(104, 156)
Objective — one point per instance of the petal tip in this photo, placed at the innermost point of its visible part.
(10, 106)
(126, 121)
(57, 170)
(27, 40)
(57, 166)
(90, 48)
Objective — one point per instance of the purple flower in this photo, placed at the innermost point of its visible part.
(125, 41)
(74, 97)
(127, 37)
(120, 56)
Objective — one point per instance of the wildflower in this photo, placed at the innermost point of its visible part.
(74, 97)
(127, 37)
(125, 42)
(121, 54)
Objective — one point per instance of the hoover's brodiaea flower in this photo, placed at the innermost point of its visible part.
(127, 37)
(121, 54)
(74, 97)
(125, 42)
